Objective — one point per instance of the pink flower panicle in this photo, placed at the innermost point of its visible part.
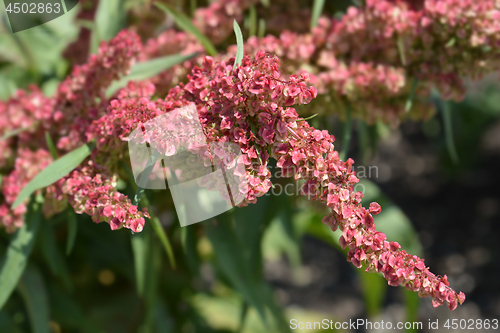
(27, 165)
(81, 97)
(250, 106)
(91, 191)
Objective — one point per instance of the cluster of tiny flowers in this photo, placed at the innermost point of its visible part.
(250, 106)
(245, 106)
(27, 165)
(82, 96)
(92, 192)
(440, 42)
(24, 111)
(67, 117)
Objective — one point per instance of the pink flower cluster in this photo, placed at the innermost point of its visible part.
(79, 100)
(23, 112)
(92, 192)
(82, 96)
(246, 106)
(27, 165)
(250, 106)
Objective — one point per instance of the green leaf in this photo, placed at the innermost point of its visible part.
(262, 28)
(140, 251)
(444, 107)
(347, 133)
(52, 254)
(7, 87)
(148, 69)
(316, 12)
(253, 21)
(32, 289)
(230, 259)
(110, 18)
(185, 24)
(55, 171)
(409, 102)
(374, 289)
(51, 146)
(160, 232)
(14, 262)
(251, 224)
(72, 230)
(188, 239)
(239, 43)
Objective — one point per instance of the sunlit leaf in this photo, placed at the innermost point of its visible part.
(110, 18)
(51, 146)
(14, 262)
(316, 12)
(239, 43)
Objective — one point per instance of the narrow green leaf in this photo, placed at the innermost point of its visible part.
(110, 18)
(51, 146)
(444, 107)
(253, 21)
(252, 222)
(188, 238)
(448, 129)
(401, 49)
(307, 118)
(32, 289)
(230, 259)
(185, 24)
(409, 102)
(364, 140)
(148, 69)
(52, 254)
(243, 316)
(14, 262)
(160, 232)
(262, 28)
(7, 87)
(55, 171)
(140, 250)
(316, 12)
(239, 43)
(374, 289)
(72, 229)
(347, 131)
(412, 304)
